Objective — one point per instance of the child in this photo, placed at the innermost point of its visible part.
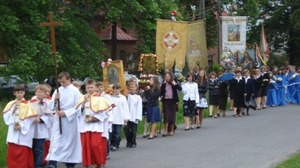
(90, 125)
(108, 122)
(202, 89)
(65, 145)
(47, 99)
(213, 86)
(152, 94)
(19, 116)
(190, 99)
(121, 116)
(41, 129)
(146, 132)
(135, 108)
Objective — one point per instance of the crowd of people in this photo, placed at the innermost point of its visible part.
(71, 127)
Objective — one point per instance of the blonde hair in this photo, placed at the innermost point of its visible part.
(76, 83)
(41, 87)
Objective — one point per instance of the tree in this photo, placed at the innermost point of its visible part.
(28, 45)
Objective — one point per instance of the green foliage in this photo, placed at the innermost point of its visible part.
(292, 162)
(279, 59)
(28, 45)
(216, 67)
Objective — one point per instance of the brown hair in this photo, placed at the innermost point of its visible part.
(212, 73)
(99, 83)
(64, 74)
(19, 87)
(189, 75)
(90, 82)
(202, 80)
(156, 84)
(171, 77)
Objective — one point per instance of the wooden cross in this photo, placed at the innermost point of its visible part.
(52, 24)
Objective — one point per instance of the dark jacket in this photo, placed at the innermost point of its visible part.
(249, 86)
(266, 82)
(174, 89)
(213, 90)
(152, 97)
(223, 88)
(202, 89)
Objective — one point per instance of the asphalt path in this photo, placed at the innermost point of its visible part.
(260, 140)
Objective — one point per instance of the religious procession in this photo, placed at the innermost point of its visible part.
(71, 123)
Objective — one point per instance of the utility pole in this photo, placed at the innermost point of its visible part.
(201, 9)
(219, 38)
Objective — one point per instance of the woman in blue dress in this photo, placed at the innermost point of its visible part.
(291, 87)
(272, 91)
(281, 83)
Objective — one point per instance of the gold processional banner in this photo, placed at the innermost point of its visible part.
(196, 49)
(178, 42)
(171, 43)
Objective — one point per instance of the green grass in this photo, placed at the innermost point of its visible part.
(292, 162)
(3, 131)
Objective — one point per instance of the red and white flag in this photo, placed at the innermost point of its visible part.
(265, 52)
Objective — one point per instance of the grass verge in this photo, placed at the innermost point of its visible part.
(292, 162)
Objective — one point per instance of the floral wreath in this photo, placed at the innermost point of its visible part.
(108, 64)
(140, 68)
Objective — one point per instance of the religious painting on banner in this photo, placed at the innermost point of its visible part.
(196, 49)
(148, 66)
(234, 33)
(171, 43)
(113, 73)
(247, 60)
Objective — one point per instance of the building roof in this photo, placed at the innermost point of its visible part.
(121, 35)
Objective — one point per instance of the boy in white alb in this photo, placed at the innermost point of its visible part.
(41, 129)
(121, 116)
(90, 125)
(65, 147)
(108, 122)
(135, 108)
(19, 116)
(47, 99)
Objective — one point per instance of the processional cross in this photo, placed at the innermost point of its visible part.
(52, 25)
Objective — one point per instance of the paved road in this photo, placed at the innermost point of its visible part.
(260, 140)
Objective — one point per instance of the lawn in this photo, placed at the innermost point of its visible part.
(3, 129)
(292, 162)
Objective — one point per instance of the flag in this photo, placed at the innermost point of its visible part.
(196, 47)
(259, 58)
(264, 45)
(171, 43)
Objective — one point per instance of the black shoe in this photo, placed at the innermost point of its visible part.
(186, 129)
(210, 116)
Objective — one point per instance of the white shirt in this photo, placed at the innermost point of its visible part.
(121, 111)
(20, 137)
(107, 123)
(84, 126)
(190, 91)
(41, 130)
(135, 107)
(66, 147)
